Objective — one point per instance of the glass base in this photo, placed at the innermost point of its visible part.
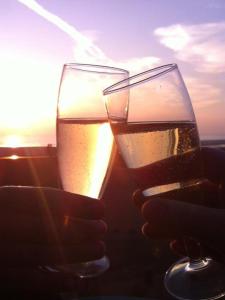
(89, 269)
(196, 280)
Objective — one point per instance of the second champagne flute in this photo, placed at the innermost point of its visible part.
(156, 132)
(85, 146)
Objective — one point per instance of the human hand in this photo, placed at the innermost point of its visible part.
(46, 226)
(168, 218)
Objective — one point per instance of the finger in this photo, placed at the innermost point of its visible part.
(42, 230)
(76, 230)
(139, 198)
(21, 255)
(214, 164)
(171, 219)
(183, 246)
(198, 192)
(201, 192)
(37, 200)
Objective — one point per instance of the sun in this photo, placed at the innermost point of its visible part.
(13, 141)
(27, 99)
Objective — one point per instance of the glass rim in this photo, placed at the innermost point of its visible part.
(94, 68)
(124, 84)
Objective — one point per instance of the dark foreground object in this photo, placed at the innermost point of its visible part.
(137, 265)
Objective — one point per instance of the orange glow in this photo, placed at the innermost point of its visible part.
(13, 141)
(28, 97)
(81, 94)
(25, 96)
(14, 157)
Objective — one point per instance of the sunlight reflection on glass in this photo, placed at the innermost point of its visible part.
(103, 154)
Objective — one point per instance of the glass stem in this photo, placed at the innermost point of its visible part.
(197, 261)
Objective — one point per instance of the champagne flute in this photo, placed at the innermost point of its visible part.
(85, 145)
(154, 126)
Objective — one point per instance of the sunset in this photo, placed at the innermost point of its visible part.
(40, 36)
(13, 141)
(114, 195)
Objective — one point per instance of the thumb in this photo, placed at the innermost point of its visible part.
(172, 219)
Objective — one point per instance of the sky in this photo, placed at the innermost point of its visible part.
(38, 37)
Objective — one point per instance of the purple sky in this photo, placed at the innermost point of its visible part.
(38, 37)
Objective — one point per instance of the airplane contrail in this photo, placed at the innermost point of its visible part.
(86, 50)
(83, 42)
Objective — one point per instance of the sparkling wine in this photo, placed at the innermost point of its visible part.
(85, 152)
(161, 156)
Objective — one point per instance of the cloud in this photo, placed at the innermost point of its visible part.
(202, 45)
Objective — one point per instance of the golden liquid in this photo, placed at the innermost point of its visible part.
(85, 152)
(165, 156)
